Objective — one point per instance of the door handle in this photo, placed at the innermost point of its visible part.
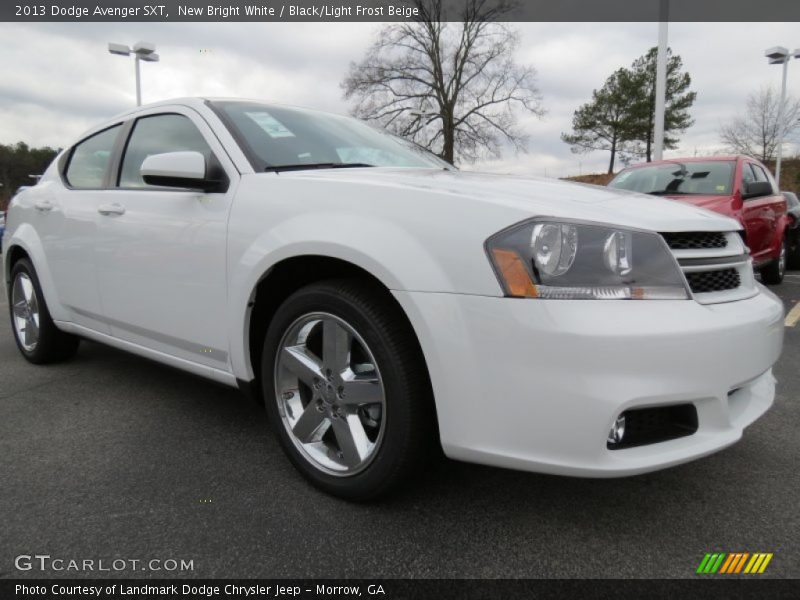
(44, 206)
(111, 209)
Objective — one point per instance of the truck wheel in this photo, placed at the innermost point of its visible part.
(773, 273)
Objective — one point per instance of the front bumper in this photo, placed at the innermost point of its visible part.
(536, 384)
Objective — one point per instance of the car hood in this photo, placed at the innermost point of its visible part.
(704, 201)
(525, 197)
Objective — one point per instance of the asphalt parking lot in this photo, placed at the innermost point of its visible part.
(113, 456)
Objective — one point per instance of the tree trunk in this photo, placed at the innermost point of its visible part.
(613, 154)
(448, 137)
(651, 125)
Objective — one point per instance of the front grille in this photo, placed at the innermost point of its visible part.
(704, 282)
(695, 240)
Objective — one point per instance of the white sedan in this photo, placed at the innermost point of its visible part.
(380, 302)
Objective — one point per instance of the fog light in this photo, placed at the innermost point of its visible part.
(617, 430)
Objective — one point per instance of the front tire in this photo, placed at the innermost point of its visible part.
(346, 389)
(37, 337)
(773, 273)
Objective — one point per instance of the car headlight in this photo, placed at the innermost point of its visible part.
(545, 258)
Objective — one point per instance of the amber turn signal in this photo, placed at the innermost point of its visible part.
(515, 275)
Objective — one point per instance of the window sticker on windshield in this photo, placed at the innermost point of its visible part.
(271, 126)
(720, 188)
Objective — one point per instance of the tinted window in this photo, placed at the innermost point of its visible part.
(760, 175)
(89, 160)
(156, 135)
(711, 178)
(281, 136)
(747, 173)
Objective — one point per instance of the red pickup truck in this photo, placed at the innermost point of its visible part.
(735, 186)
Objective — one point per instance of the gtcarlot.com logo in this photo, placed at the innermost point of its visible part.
(734, 563)
(45, 562)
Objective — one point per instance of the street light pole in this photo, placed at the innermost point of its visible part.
(779, 55)
(661, 92)
(781, 128)
(661, 81)
(142, 51)
(138, 82)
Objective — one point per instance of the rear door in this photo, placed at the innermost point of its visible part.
(67, 223)
(162, 251)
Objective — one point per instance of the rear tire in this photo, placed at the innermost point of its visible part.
(354, 413)
(793, 249)
(773, 273)
(37, 337)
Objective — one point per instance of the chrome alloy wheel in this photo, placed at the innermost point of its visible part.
(25, 308)
(330, 394)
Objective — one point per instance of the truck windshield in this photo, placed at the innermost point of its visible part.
(707, 178)
(281, 138)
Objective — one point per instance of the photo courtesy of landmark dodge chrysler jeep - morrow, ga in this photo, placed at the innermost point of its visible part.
(379, 301)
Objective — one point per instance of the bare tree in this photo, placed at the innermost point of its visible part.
(452, 87)
(757, 131)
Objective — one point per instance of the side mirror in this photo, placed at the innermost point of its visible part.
(755, 189)
(180, 169)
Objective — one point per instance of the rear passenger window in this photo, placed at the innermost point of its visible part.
(89, 161)
(156, 135)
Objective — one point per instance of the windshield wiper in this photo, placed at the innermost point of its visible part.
(671, 193)
(308, 166)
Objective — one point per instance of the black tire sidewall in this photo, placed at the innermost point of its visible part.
(386, 463)
(38, 354)
(53, 344)
(771, 274)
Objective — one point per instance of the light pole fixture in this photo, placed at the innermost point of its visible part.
(661, 80)
(779, 55)
(141, 51)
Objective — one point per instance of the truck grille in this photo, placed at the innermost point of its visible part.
(713, 281)
(694, 240)
(716, 265)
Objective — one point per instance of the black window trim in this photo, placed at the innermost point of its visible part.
(123, 147)
(66, 159)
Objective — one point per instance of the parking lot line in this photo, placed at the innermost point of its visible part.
(793, 316)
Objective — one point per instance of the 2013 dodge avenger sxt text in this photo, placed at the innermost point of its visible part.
(378, 299)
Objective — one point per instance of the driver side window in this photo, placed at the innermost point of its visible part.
(747, 176)
(156, 135)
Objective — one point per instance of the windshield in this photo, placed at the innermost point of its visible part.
(708, 178)
(283, 138)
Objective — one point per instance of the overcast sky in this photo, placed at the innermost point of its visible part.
(57, 79)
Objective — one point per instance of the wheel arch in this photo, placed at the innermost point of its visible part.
(25, 243)
(281, 281)
(11, 255)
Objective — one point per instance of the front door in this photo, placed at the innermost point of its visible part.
(760, 215)
(161, 251)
